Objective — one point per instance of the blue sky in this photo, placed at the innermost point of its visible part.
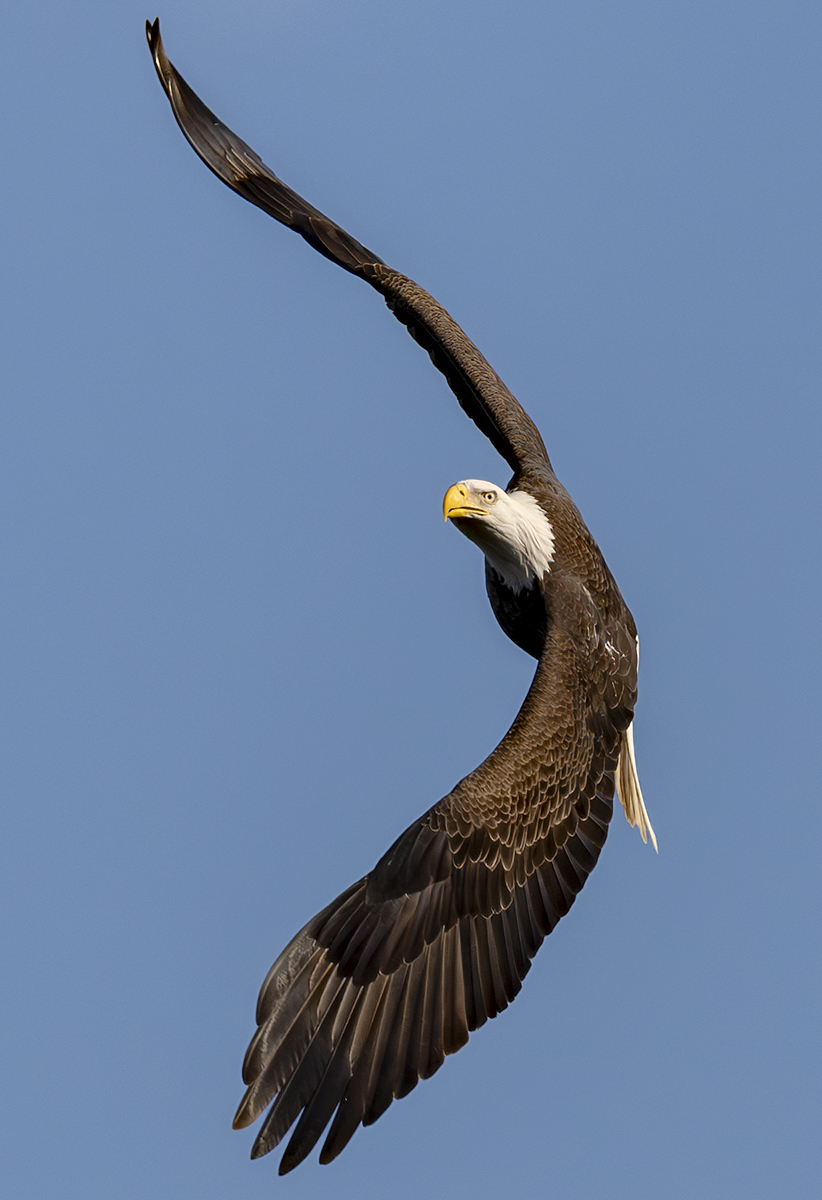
(242, 652)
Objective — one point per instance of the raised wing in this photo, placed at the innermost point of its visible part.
(479, 389)
(393, 976)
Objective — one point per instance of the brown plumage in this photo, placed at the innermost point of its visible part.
(393, 975)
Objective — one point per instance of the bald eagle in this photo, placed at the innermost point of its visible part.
(374, 992)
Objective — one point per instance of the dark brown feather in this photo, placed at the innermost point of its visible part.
(480, 391)
(390, 978)
(391, 994)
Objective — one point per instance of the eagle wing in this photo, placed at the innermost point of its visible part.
(480, 391)
(392, 976)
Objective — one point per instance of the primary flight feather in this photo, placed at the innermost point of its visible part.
(394, 974)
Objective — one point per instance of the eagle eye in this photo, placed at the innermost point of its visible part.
(489, 497)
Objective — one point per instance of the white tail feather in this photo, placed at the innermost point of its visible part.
(630, 793)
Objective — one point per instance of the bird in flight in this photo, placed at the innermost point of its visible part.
(374, 992)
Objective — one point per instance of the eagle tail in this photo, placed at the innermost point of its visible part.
(630, 793)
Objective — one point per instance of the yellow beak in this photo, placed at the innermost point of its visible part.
(455, 503)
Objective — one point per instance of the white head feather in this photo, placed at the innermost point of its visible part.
(510, 528)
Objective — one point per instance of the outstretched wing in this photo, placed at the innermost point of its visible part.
(479, 389)
(380, 986)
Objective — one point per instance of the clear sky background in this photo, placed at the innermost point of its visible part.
(241, 650)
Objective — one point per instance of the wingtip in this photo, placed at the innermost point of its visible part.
(155, 45)
(259, 1148)
(295, 1152)
(245, 1114)
(330, 1150)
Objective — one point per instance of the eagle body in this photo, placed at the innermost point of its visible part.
(521, 616)
(393, 975)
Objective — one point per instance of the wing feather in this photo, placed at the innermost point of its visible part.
(479, 390)
(387, 981)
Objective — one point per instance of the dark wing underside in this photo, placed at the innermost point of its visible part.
(393, 976)
(480, 391)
